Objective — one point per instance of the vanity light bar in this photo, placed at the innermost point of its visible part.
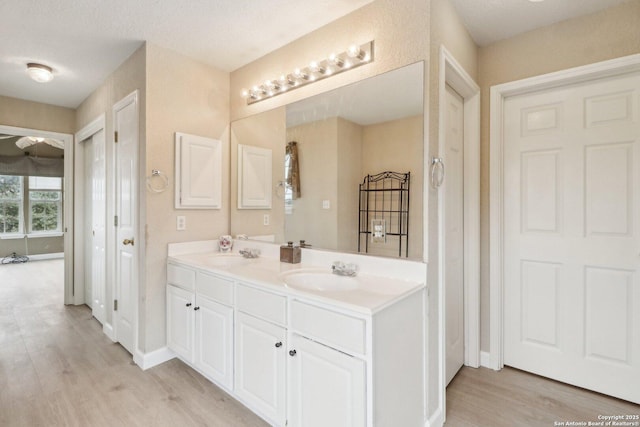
(336, 63)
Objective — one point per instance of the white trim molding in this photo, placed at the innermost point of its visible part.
(499, 93)
(149, 360)
(453, 74)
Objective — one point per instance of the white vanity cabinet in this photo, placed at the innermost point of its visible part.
(301, 360)
(200, 322)
(260, 351)
(326, 387)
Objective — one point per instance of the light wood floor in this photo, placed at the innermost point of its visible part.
(57, 368)
(509, 398)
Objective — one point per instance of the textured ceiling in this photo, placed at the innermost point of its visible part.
(491, 20)
(85, 40)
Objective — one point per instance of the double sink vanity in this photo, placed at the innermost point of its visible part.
(297, 344)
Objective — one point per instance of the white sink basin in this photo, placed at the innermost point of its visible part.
(319, 281)
(227, 260)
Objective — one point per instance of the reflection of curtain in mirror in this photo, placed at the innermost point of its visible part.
(291, 170)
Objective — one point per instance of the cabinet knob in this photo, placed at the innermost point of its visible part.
(279, 344)
(188, 304)
(196, 308)
(292, 353)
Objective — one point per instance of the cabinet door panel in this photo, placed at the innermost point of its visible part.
(327, 387)
(260, 366)
(214, 340)
(180, 322)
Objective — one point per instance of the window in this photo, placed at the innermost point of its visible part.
(11, 201)
(32, 205)
(45, 204)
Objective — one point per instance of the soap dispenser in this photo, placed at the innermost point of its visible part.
(290, 253)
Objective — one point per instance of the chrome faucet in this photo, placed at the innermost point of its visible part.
(342, 269)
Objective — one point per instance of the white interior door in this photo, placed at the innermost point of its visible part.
(454, 232)
(572, 234)
(95, 224)
(126, 147)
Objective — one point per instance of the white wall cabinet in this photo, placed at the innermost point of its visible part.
(198, 172)
(254, 177)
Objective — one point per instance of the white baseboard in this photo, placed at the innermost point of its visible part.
(436, 419)
(485, 359)
(56, 255)
(154, 358)
(107, 329)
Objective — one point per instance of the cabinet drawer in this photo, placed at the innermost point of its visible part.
(181, 276)
(262, 304)
(335, 329)
(214, 287)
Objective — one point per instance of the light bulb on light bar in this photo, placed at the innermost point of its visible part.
(354, 51)
(40, 73)
(335, 59)
(336, 63)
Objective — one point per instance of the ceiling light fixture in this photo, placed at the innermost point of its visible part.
(336, 63)
(40, 73)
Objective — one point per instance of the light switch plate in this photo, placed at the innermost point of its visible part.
(326, 204)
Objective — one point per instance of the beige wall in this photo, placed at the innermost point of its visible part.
(186, 96)
(397, 146)
(34, 115)
(318, 162)
(604, 35)
(266, 130)
(349, 159)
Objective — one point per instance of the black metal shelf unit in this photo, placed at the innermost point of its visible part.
(384, 196)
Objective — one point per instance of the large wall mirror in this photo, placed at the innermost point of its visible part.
(323, 147)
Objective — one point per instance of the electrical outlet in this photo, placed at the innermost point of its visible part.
(265, 219)
(181, 222)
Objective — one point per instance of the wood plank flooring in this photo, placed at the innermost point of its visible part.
(507, 398)
(57, 368)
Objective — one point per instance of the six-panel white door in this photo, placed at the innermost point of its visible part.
(97, 232)
(572, 234)
(126, 125)
(454, 233)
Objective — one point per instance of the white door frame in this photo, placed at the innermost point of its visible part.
(68, 199)
(453, 74)
(88, 131)
(499, 93)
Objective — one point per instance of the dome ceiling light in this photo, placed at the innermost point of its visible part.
(40, 73)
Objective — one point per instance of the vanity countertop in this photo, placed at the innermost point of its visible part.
(374, 293)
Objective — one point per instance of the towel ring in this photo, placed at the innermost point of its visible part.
(164, 181)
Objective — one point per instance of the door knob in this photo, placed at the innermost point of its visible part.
(279, 344)
(128, 242)
(292, 353)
